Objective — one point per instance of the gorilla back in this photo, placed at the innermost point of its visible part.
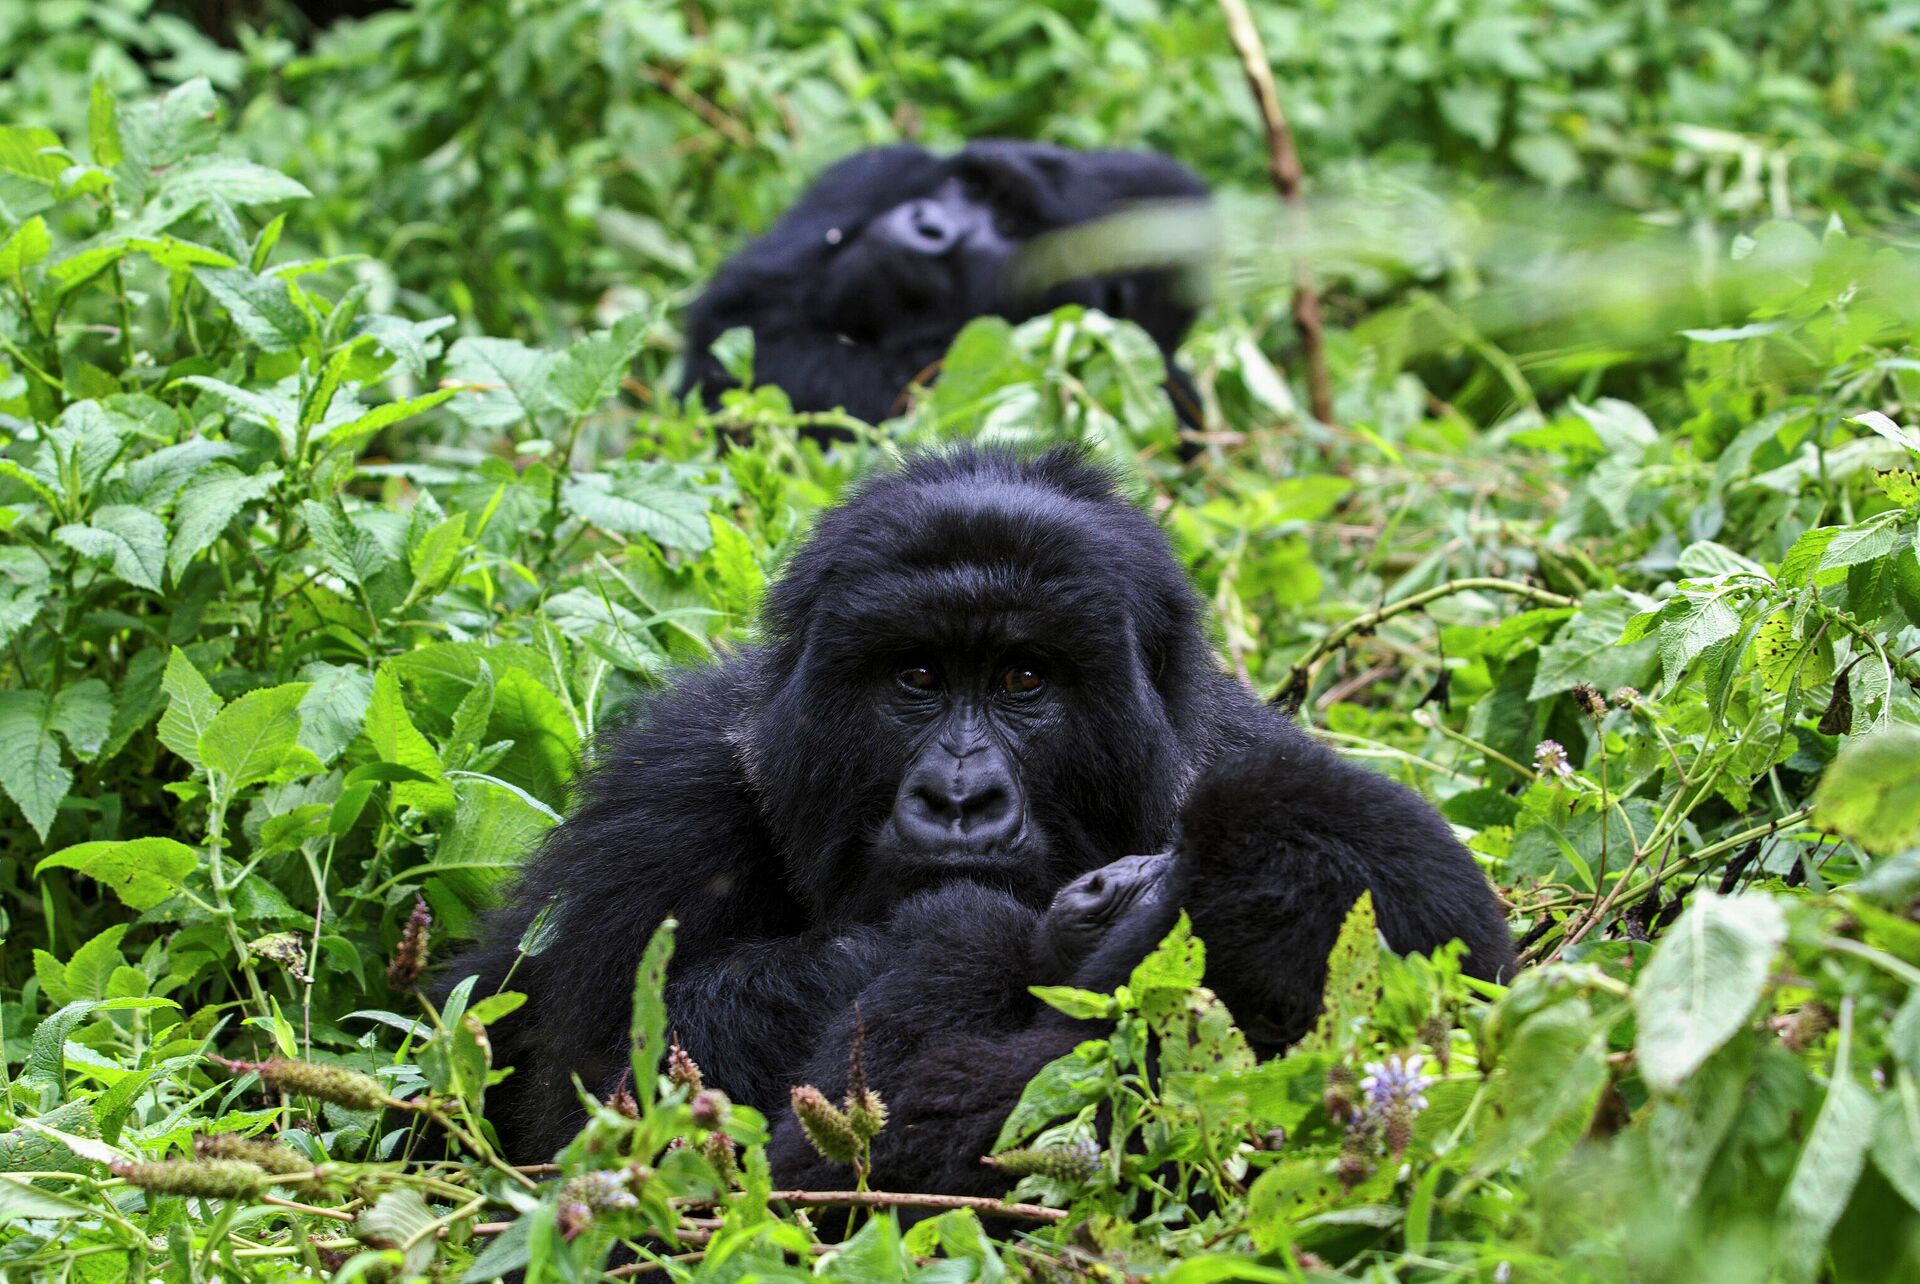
(860, 288)
(984, 683)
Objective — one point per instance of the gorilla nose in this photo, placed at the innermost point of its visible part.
(977, 809)
(930, 227)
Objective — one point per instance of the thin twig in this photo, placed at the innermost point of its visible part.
(1284, 166)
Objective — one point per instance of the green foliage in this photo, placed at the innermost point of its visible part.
(340, 506)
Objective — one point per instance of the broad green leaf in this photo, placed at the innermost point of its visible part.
(587, 375)
(30, 768)
(1871, 792)
(32, 153)
(1896, 1137)
(209, 505)
(334, 708)
(18, 611)
(347, 549)
(1690, 624)
(1284, 1196)
(20, 1201)
(1824, 1178)
(1907, 438)
(394, 737)
(142, 872)
(1082, 1005)
(257, 738)
(1685, 1130)
(1702, 983)
(28, 245)
(103, 126)
(509, 381)
(350, 432)
(262, 307)
(438, 554)
(232, 179)
(1868, 541)
(191, 707)
(1588, 649)
(673, 518)
(648, 1031)
(1353, 979)
(132, 540)
(83, 714)
(1554, 1071)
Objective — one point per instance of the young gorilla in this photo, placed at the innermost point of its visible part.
(984, 678)
(861, 287)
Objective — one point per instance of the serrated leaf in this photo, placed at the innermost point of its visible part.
(438, 554)
(348, 551)
(28, 245)
(30, 768)
(209, 505)
(257, 737)
(1702, 983)
(132, 540)
(1588, 649)
(19, 1202)
(1906, 438)
(1690, 625)
(1353, 978)
(394, 737)
(142, 872)
(1555, 1068)
(334, 708)
(509, 378)
(648, 1031)
(32, 153)
(262, 307)
(588, 373)
(1871, 792)
(103, 125)
(231, 178)
(83, 714)
(672, 518)
(1866, 542)
(1823, 1178)
(191, 708)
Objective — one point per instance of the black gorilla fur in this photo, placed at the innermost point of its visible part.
(984, 678)
(860, 288)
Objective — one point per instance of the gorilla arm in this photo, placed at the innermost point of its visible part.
(665, 825)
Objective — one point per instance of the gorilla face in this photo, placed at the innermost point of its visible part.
(930, 258)
(858, 289)
(998, 706)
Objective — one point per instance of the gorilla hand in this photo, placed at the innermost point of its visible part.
(1104, 922)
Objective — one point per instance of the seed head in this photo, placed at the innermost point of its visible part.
(1591, 702)
(1807, 1026)
(681, 1068)
(604, 1191)
(1626, 697)
(1077, 1162)
(251, 1150)
(201, 1178)
(337, 1084)
(867, 1113)
(622, 1102)
(410, 954)
(1550, 758)
(1437, 1034)
(710, 1107)
(826, 1126)
(1352, 1169)
(1398, 1131)
(718, 1148)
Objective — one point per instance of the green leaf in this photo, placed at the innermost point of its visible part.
(32, 153)
(1691, 624)
(509, 379)
(397, 740)
(1871, 793)
(648, 1031)
(142, 872)
(30, 767)
(83, 714)
(262, 307)
(1896, 1136)
(1082, 1005)
(347, 549)
(19, 1201)
(1554, 1071)
(1685, 1130)
(209, 506)
(103, 126)
(334, 708)
(587, 375)
(1353, 979)
(1588, 649)
(673, 518)
(1702, 983)
(28, 245)
(230, 178)
(256, 738)
(133, 541)
(191, 708)
(1906, 438)
(1824, 1178)
(438, 555)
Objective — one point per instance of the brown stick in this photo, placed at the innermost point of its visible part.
(1284, 165)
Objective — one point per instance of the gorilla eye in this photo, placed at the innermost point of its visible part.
(1021, 680)
(918, 677)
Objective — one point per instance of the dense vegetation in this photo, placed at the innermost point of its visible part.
(340, 502)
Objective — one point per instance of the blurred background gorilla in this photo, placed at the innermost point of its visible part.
(984, 682)
(860, 288)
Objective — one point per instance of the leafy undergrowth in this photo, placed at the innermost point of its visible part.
(310, 596)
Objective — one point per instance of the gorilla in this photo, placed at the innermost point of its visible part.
(983, 744)
(860, 288)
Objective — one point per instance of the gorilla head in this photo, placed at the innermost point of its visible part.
(861, 287)
(995, 667)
